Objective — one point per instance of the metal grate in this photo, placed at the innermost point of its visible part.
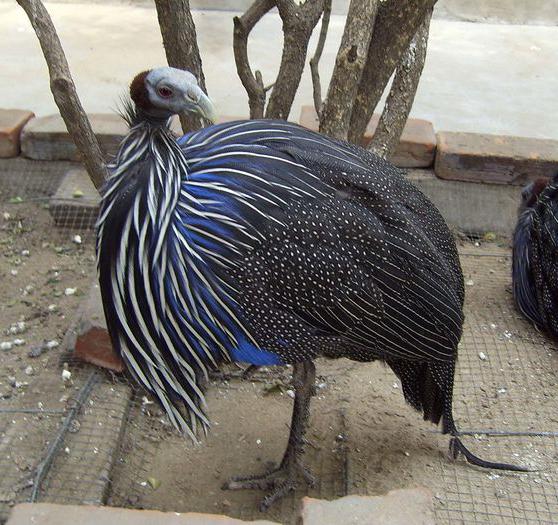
(505, 401)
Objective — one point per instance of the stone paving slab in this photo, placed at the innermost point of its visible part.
(52, 514)
(397, 507)
(46, 138)
(11, 124)
(418, 140)
(494, 158)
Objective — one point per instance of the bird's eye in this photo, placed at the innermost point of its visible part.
(165, 92)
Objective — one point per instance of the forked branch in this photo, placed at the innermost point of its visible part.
(299, 21)
(252, 82)
(402, 93)
(315, 60)
(396, 24)
(64, 91)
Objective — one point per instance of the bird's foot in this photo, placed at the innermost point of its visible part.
(279, 481)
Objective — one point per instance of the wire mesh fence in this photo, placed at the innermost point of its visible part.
(91, 439)
(505, 404)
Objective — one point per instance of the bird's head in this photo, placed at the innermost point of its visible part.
(530, 194)
(165, 91)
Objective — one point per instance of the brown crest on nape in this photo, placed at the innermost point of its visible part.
(538, 186)
(138, 91)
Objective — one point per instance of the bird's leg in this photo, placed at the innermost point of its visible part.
(284, 478)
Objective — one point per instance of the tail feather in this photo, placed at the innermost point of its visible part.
(428, 387)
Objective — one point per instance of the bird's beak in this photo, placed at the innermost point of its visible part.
(203, 105)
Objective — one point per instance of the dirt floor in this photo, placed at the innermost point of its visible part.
(362, 439)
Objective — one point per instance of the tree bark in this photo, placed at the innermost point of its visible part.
(253, 83)
(64, 91)
(181, 46)
(298, 23)
(349, 65)
(402, 93)
(315, 60)
(397, 22)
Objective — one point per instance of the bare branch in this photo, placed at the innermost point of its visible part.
(315, 60)
(64, 91)
(349, 65)
(402, 93)
(253, 83)
(181, 45)
(298, 23)
(397, 22)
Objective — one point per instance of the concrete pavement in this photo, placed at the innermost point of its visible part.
(478, 77)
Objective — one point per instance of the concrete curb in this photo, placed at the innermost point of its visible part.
(475, 180)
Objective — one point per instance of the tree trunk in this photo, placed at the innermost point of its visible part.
(402, 94)
(64, 92)
(298, 23)
(349, 64)
(181, 46)
(397, 22)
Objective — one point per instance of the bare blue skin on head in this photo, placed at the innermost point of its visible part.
(174, 91)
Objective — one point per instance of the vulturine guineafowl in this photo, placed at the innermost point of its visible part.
(264, 243)
(535, 255)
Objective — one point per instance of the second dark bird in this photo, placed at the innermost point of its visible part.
(535, 255)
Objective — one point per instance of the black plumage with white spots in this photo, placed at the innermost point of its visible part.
(265, 243)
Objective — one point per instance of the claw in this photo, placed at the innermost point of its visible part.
(280, 481)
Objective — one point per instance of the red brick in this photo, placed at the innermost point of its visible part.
(54, 514)
(11, 124)
(416, 149)
(496, 159)
(397, 507)
(89, 338)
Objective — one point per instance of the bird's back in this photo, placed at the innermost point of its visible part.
(361, 266)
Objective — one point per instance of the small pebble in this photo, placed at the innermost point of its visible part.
(469, 282)
(51, 344)
(70, 291)
(66, 375)
(6, 345)
(17, 328)
(19, 342)
(76, 239)
(290, 393)
(25, 253)
(14, 272)
(52, 307)
(258, 441)
(29, 371)
(482, 356)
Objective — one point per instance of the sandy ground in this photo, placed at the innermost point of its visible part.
(362, 438)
